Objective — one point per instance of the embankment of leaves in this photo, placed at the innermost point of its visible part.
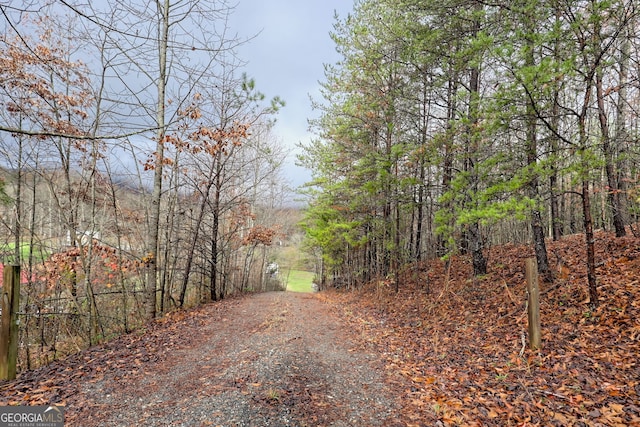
(459, 344)
(128, 356)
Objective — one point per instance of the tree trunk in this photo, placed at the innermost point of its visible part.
(442, 247)
(613, 194)
(17, 230)
(417, 252)
(586, 198)
(532, 161)
(426, 107)
(476, 247)
(590, 242)
(556, 220)
(621, 135)
(151, 260)
(476, 244)
(215, 228)
(194, 239)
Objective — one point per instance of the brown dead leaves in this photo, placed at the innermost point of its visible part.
(42, 88)
(113, 364)
(457, 347)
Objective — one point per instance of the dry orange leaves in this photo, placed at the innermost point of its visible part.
(456, 349)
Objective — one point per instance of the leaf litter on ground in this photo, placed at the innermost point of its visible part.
(461, 343)
(454, 346)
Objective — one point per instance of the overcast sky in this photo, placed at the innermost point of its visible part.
(286, 59)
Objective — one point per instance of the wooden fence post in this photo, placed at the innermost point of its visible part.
(9, 326)
(534, 303)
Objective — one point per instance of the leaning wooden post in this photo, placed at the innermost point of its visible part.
(9, 325)
(534, 303)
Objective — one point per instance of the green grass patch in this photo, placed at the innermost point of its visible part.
(299, 281)
(8, 251)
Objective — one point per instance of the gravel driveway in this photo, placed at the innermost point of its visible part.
(274, 359)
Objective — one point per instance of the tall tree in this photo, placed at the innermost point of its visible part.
(173, 52)
(529, 13)
(506, 109)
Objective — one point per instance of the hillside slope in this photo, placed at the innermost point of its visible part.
(461, 342)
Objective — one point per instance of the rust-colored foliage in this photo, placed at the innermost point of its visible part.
(43, 88)
(260, 235)
(460, 349)
(210, 140)
(64, 268)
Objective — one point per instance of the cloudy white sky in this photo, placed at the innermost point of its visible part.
(286, 59)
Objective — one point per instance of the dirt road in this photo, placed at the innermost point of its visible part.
(275, 359)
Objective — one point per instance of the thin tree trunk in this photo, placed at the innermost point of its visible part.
(586, 198)
(215, 230)
(532, 161)
(419, 215)
(17, 230)
(95, 325)
(194, 241)
(613, 194)
(556, 221)
(151, 260)
(396, 262)
(556, 211)
(621, 129)
(426, 108)
(590, 241)
(447, 164)
(476, 244)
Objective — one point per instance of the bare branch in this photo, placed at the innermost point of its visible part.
(83, 137)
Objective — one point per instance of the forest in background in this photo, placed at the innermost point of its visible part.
(139, 172)
(451, 126)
